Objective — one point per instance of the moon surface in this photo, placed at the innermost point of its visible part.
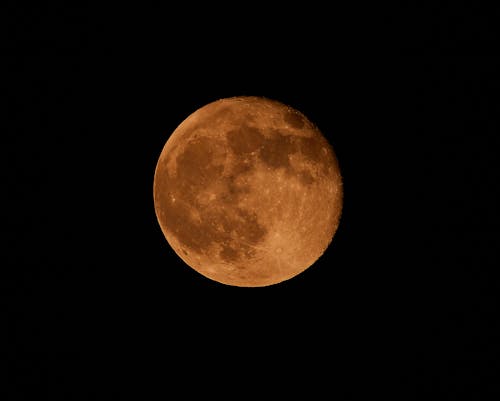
(248, 192)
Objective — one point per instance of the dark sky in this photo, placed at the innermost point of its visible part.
(403, 305)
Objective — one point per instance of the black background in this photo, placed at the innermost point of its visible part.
(403, 305)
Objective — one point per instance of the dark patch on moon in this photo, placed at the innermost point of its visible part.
(243, 236)
(229, 254)
(294, 119)
(243, 166)
(276, 151)
(250, 229)
(177, 217)
(275, 148)
(306, 178)
(218, 224)
(230, 194)
(316, 150)
(232, 191)
(195, 165)
(244, 140)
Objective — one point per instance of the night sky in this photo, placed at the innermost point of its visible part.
(404, 303)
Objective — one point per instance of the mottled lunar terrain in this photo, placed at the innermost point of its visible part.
(248, 192)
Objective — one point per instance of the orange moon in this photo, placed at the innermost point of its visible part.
(248, 192)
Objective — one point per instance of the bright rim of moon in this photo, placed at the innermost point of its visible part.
(248, 192)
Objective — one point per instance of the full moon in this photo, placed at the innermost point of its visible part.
(248, 192)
